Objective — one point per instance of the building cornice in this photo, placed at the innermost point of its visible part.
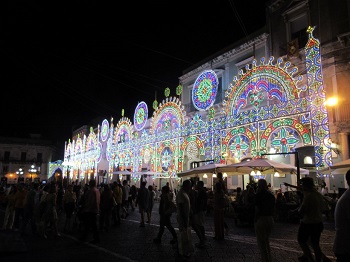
(226, 56)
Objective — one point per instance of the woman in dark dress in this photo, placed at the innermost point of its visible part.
(219, 206)
(165, 211)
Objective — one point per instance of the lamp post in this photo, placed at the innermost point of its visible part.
(20, 173)
(296, 161)
(332, 102)
(32, 170)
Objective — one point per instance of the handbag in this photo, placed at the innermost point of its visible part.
(172, 208)
(114, 202)
(184, 241)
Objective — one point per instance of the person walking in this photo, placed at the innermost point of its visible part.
(41, 217)
(30, 209)
(118, 196)
(50, 217)
(220, 179)
(311, 223)
(69, 205)
(165, 210)
(90, 210)
(20, 198)
(106, 207)
(183, 205)
(125, 205)
(342, 225)
(10, 209)
(219, 209)
(142, 201)
(132, 197)
(193, 195)
(151, 197)
(199, 213)
(264, 218)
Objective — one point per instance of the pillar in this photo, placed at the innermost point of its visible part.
(344, 146)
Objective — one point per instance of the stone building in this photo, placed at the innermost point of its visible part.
(269, 93)
(25, 159)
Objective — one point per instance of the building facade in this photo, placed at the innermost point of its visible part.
(265, 94)
(25, 159)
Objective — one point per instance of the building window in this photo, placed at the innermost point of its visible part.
(39, 157)
(298, 29)
(7, 156)
(218, 98)
(5, 169)
(23, 156)
(297, 22)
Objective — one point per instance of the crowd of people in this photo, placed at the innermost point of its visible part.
(91, 207)
(97, 207)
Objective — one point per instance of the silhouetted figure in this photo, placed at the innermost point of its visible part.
(264, 221)
(90, 209)
(165, 215)
(142, 202)
(219, 208)
(342, 225)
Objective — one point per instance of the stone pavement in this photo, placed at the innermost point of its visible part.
(129, 242)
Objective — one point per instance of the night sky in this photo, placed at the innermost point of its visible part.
(66, 65)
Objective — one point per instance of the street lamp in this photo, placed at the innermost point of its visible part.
(32, 170)
(20, 173)
(332, 102)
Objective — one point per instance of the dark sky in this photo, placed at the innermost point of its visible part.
(66, 64)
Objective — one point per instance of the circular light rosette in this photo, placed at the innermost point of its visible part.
(204, 90)
(99, 152)
(104, 130)
(140, 116)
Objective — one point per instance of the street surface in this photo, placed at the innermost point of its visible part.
(129, 242)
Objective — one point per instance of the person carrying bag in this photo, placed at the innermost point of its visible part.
(185, 246)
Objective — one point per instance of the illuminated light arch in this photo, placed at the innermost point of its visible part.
(140, 116)
(260, 83)
(69, 150)
(91, 141)
(285, 142)
(245, 136)
(123, 131)
(169, 115)
(183, 146)
(165, 157)
(54, 167)
(204, 90)
(78, 146)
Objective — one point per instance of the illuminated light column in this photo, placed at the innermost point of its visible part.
(319, 117)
